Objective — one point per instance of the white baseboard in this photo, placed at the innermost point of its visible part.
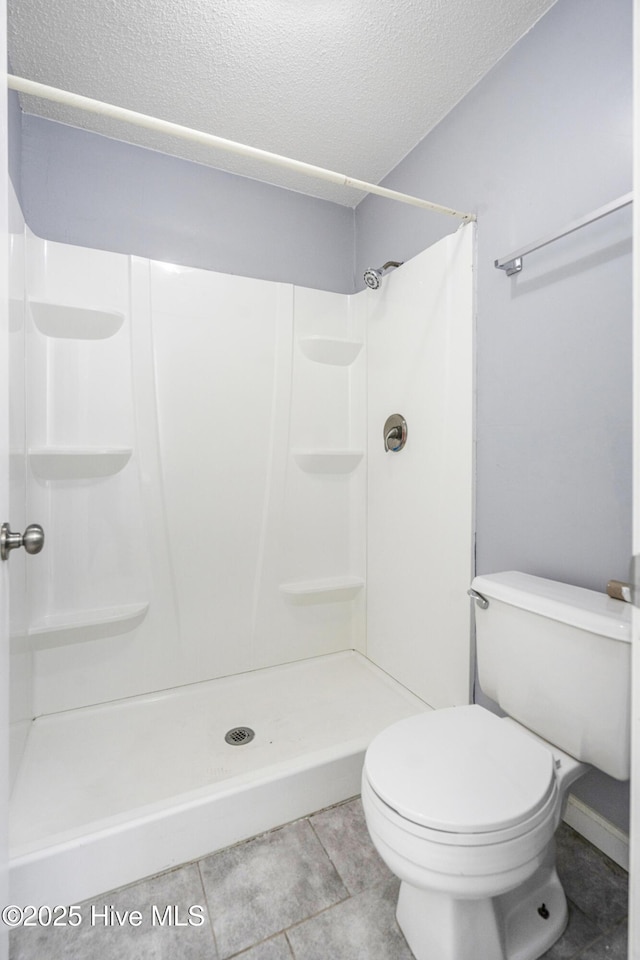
(599, 831)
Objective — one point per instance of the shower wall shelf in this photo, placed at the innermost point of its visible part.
(328, 461)
(339, 353)
(78, 463)
(63, 629)
(74, 323)
(328, 590)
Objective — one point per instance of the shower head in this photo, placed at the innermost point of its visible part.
(373, 276)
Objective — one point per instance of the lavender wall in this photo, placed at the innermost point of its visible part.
(82, 188)
(545, 138)
(542, 140)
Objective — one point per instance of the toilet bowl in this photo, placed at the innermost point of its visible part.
(463, 807)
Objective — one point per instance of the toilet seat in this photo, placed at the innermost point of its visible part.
(463, 774)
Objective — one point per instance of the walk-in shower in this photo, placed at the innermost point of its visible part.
(373, 276)
(145, 644)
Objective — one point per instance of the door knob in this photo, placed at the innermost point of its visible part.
(32, 539)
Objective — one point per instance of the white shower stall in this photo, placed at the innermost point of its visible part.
(227, 544)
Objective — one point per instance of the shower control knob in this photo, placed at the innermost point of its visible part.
(32, 539)
(394, 433)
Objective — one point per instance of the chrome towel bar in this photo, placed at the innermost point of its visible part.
(512, 263)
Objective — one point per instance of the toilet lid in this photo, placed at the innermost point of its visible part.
(460, 770)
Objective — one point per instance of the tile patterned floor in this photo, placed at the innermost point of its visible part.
(312, 890)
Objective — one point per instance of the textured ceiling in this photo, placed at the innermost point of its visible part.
(351, 85)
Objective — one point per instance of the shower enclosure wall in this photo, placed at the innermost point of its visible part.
(227, 543)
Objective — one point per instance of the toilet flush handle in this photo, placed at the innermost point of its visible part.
(482, 602)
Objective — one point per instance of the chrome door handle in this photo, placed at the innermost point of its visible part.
(32, 539)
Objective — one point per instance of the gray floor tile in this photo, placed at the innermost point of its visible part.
(580, 932)
(259, 888)
(362, 928)
(275, 949)
(145, 942)
(597, 885)
(344, 835)
(283, 896)
(613, 946)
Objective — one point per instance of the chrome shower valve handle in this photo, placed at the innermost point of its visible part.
(394, 433)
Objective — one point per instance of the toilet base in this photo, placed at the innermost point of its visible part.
(519, 925)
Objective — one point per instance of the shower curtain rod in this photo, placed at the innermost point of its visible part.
(34, 89)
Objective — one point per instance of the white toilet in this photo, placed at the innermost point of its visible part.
(463, 805)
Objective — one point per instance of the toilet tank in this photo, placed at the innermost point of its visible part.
(557, 659)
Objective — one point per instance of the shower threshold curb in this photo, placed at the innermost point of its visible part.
(153, 839)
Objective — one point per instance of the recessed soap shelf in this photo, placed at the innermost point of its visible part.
(75, 323)
(328, 590)
(340, 353)
(328, 461)
(66, 628)
(78, 463)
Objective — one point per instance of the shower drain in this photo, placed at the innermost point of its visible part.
(237, 736)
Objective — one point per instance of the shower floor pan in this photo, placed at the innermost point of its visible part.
(109, 794)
